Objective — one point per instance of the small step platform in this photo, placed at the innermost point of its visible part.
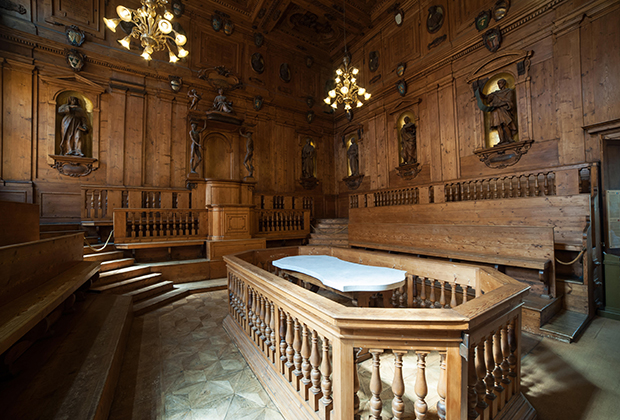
(73, 373)
(129, 285)
(104, 256)
(151, 304)
(116, 264)
(566, 325)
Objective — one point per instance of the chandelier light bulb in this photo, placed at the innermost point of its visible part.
(173, 58)
(347, 107)
(180, 39)
(332, 93)
(366, 96)
(335, 105)
(353, 80)
(339, 72)
(112, 23)
(146, 55)
(327, 100)
(355, 71)
(126, 42)
(165, 26)
(359, 104)
(361, 91)
(344, 90)
(182, 52)
(124, 13)
(168, 15)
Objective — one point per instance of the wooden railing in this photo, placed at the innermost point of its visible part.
(98, 202)
(281, 224)
(284, 202)
(149, 225)
(303, 346)
(565, 180)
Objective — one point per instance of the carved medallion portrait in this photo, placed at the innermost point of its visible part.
(401, 86)
(258, 102)
(75, 59)
(310, 116)
(175, 83)
(492, 39)
(482, 20)
(435, 18)
(500, 10)
(75, 36)
(229, 27)
(373, 61)
(178, 8)
(258, 63)
(309, 61)
(349, 114)
(285, 72)
(259, 39)
(400, 69)
(309, 101)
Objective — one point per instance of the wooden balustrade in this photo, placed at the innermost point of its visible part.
(98, 202)
(144, 225)
(303, 346)
(565, 180)
(285, 202)
(279, 224)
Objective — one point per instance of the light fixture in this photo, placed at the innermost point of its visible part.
(152, 25)
(346, 91)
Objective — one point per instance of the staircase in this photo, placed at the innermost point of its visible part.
(120, 276)
(330, 232)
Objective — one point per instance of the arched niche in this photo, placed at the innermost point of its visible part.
(86, 105)
(218, 157)
(400, 122)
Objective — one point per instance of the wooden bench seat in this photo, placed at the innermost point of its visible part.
(35, 279)
(514, 246)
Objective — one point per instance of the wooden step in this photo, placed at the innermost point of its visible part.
(150, 291)
(129, 285)
(565, 325)
(151, 304)
(104, 256)
(537, 311)
(116, 264)
(122, 274)
(72, 374)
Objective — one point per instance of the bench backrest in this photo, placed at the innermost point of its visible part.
(451, 240)
(19, 222)
(25, 266)
(567, 214)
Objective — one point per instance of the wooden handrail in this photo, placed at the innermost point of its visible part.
(143, 224)
(279, 325)
(281, 223)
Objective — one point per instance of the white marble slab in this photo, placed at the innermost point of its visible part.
(343, 275)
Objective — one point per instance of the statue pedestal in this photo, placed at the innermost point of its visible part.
(353, 181)
(409, 171)
(504, 154)
(74, 166)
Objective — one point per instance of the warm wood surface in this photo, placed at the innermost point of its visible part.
(19, 222)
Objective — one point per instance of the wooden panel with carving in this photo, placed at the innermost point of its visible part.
(86, 14)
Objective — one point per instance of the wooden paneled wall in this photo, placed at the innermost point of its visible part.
(568, 86)
(140, 126)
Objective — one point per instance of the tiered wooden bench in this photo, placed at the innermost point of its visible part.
(514, 246)
(36, 278)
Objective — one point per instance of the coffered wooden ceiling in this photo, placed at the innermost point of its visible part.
(308, 23)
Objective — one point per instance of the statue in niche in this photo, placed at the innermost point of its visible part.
(501, 106)
(220, 104)
(353, 156)
(194, 135)
(74, 127)
(307, 159)
(195, 97)
(249, 152)
(408, 139)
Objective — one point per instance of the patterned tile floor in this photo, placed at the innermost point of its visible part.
(180, 364)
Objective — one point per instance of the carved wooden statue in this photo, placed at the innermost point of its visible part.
(408, 139)
(74, 127)
(501, 106)
(220, 104)
(195, 97)
(194, 135)
(353, 155)
(307, 160)
(249, 152)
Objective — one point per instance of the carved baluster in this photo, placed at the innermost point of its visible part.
(132, 222)
(249, 311)
(99, 204)
(489, 196)
(510, 188)
(376, 405)
(453, 297)
(527, 185)
(297, 358)
(267, 326)
(465, 289)
(519, 194)
(490, 365)
(290, 351)
(472, 396)
(536, 185)
(272, 328)
(262, 326)
(481, 371)
(305, 363)
(326, 383)
(398, 386)
(468, 191)
(432, 296)
(356, 386)
(256, 317)
(402, 299)
(475, 192)
(282, 341)
(546, 183)
(421, 388)
(315, 373)
(505, 365)
(422, 292)
(442, 297)
(442, 386)
(498, 357)
(512, 358)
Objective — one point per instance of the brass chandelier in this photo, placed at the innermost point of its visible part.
(347, 91)
(152, 25)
